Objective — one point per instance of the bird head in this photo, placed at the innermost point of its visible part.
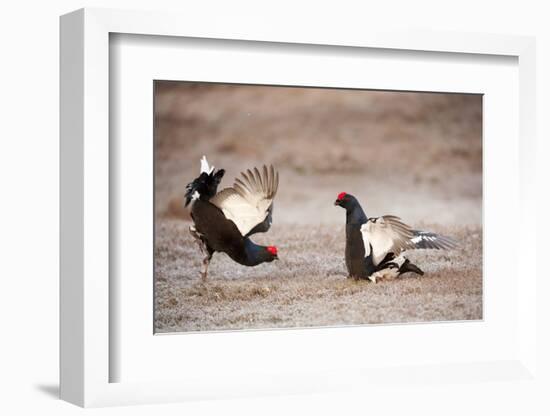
(345, 200)
(272, 253)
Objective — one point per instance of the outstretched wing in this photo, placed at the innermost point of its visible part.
(249, 202)
(386, 234)
(426, 239)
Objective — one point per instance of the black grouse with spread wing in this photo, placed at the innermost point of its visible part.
(374, 244)
(224, 221)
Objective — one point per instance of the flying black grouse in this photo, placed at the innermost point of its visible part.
(224, 221)
(373, 245)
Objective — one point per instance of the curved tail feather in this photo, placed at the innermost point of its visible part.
(205, 185)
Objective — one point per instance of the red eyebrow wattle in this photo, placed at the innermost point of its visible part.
(341, 195)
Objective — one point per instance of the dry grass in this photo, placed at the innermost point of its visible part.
(308, 285)
(415, 155)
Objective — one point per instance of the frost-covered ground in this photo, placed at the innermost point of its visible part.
(308, 285)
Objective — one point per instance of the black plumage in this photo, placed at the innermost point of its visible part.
(204, 187)
(373, 244)
(220, 234)
(355, 249)
(224, 221)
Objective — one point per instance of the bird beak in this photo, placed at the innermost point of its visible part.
(337, 202)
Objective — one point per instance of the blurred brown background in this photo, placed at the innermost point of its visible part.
(415, 155)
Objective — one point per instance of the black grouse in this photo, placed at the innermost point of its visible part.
(224, 221)
(374, 244)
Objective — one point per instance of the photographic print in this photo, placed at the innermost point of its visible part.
(295, 207)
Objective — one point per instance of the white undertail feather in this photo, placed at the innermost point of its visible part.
(389, 273)
(205, 167)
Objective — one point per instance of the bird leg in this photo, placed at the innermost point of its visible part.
(197, 237)
(205, 262)
(203, 248)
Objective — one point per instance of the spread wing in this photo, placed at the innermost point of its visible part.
(426, 239)
(249, 202)
(386, 234)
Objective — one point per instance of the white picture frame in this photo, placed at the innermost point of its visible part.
(87, 356)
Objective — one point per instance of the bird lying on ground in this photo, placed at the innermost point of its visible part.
(374, 245)
(224, 221)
